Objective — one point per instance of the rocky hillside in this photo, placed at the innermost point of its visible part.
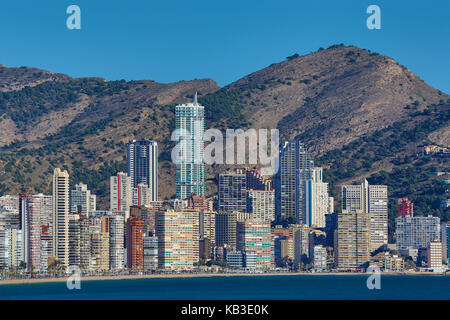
(17, 78)
(332, 97)
(360, 114)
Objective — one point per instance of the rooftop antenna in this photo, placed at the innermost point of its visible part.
(195, 99)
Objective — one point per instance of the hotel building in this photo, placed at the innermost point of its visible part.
(190, 167)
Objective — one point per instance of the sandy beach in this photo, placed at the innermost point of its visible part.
(188, 275)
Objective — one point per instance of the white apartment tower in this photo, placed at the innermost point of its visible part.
(61, 215)
(120, 194)
(316, 202)
(116, 241)
(190, 167)
(82, 200)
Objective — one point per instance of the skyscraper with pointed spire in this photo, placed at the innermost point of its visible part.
(190, 167)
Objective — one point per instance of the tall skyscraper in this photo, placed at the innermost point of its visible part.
(207, 225)
(32, 208)
(445, 240)
(405, 208)
(120, 193)
(316, 202)
(61, 215)
(150, 253)
(85, 242)
(190, 169)
(82, 200)
(371, 199)
(116, 241)
(295, 166)
(135, 243)
(74, 240)
(232, 192)
(352, 244)
(142, 165)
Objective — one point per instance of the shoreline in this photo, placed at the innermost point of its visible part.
(203, 275)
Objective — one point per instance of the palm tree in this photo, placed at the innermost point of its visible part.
(22, 266)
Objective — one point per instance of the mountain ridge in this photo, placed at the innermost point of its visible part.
(336, 100)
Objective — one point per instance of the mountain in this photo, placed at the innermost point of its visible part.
(17, 78)
(360, 113)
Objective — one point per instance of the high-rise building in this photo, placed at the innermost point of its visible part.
(255, 236)
(316, 202)
(116, 241)
(295, 165)
(434, 253)
(74, 240)
(226, 229)
(352, 244)
(120, 193)
(371, 199)
(261, 204)
(150, 253)
(232, 192)
(82, 200)
(178, 239)
(445, 240)
(190, 167)
(142, 165)
(34, 210)
(85, 242)
(11, 247)
(416, 232)
(135, 243)
(405, 208)
(301, 244)
(207, 226)
(61, 215)
(330, 227)
(99, 251)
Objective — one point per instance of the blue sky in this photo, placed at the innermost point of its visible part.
(173, 40)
